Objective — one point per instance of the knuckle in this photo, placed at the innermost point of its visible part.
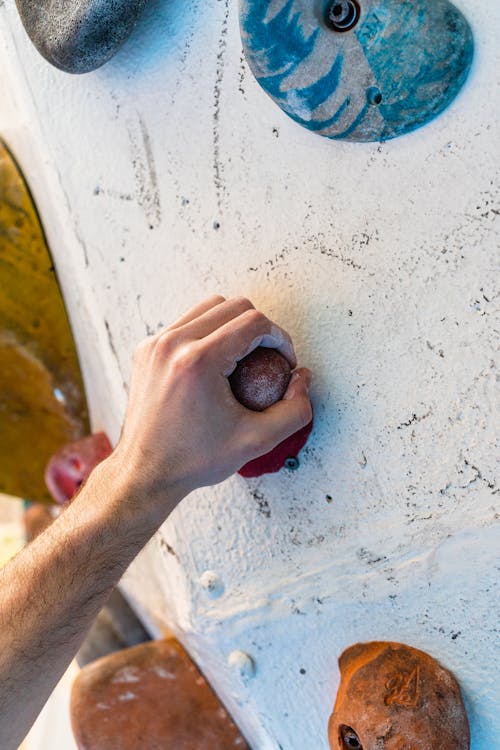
(217, 298)
(166, 342)
(256, 318)
(188, 359)
(243, 303)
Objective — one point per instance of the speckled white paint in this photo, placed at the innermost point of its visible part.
(168, 175)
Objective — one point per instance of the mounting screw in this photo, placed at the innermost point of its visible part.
(242, 663)
(212, 584)
(342, 15)
(292, 463)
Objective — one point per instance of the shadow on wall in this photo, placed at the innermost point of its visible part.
(163, 27)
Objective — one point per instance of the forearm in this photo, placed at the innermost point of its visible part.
(54, 588)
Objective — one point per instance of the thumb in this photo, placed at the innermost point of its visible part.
(289, 415)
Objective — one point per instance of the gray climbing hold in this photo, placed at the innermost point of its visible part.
(358, 70)
(78, 36)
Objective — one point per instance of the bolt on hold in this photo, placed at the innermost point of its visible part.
(342, 15)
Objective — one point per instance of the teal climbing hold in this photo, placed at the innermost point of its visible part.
(359, 71)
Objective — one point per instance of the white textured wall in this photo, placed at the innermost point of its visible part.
(381, 260)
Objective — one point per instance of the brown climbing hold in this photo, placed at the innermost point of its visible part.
(394, 697)
(261, 378)
(149, 697)
(37, 518)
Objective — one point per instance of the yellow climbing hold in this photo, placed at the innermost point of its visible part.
(42, 401)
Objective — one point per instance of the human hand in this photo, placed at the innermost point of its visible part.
(184, 428)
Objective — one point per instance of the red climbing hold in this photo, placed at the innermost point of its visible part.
(71, 466)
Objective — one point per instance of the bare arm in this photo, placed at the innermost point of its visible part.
(183, 430)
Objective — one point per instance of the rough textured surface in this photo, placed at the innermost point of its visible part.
(395, 697)
(78, 36)
(260, 379)
(398, 67)
(168, 176)
(70, 466)
(150, 697)
(42, 402)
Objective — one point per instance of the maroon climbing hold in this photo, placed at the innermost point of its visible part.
(71, 466)
(261, 378)
(278, 457)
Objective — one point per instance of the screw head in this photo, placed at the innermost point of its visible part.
(342, 15)
(242, 663)
(212, 584)
(292, 463)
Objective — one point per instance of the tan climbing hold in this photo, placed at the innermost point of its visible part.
(150, 697)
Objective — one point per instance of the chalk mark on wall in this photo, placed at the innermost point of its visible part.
(115, 353)
(146, 178)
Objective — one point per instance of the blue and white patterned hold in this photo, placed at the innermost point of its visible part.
(359, 71)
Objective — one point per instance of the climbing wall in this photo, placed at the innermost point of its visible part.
(168, 175)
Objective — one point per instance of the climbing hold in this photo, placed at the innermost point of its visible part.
(38, 517)
(259, 381)
(149, 697)
(279, 456)
(261, 378)
(358, 70)
(78, 36)
(42, 401)
(393, 696)
(72, 464)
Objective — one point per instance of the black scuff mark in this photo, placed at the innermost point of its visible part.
(219, 75)
(168, 548)
(432, 348)
(370, 558)
(478, 477)
(242, 75)
(329, 252)
(278, 260)
(414, 418)
(262, 503)
(295, 610)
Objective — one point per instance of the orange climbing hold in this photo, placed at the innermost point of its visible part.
(149, 697)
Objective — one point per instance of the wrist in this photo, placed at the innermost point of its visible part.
(122, 496)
